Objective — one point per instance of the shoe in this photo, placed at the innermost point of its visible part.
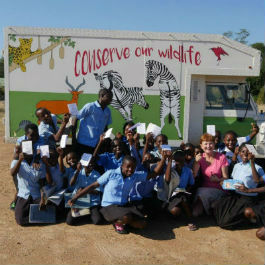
(192, 227)
(12, 206)
(119, 228)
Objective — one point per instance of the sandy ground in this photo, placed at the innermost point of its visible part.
(164, 241)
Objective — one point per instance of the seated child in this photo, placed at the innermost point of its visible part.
(148, 142)
(55, 178)
(229, 211)
(32, 134)
(189, 151)
(111, 160)
(177, 182)
(47, 129)
(83, 177)
(28, 186)
(68, 172)
(117, 184)
(160, 139)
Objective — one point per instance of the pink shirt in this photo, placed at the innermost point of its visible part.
(215, 168)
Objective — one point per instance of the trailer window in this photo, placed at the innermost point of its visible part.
(226, 97)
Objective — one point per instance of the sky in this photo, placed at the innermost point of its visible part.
(187, 16)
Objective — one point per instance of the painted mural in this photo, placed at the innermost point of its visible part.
(146, 77)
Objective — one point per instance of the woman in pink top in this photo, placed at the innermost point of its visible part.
(214, 169)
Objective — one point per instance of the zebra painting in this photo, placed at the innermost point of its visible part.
(169, 92)
(123, 97)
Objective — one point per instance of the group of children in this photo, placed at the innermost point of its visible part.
(128, 185)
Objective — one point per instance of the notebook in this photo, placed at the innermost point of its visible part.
(42, 216)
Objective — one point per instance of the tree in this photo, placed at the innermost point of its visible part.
(240, 36)
(256, 83)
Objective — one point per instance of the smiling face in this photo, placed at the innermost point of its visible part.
(230, 141)
(32, 135)
(244, 154)
(207, 147)
(44, 115)
(71, 160)
(160, 140)
(128, 168)
(117, 148)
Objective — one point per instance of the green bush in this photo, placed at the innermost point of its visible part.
(261, 97)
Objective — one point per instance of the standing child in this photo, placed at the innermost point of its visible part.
(83, 177)
(117, 184)
(47, 129)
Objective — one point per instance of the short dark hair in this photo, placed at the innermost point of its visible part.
(129, 158)
(178, 154)
(163, 136)
(241, 147)
(231, 132)
(104, 91)
(31, 126)
(131, 123)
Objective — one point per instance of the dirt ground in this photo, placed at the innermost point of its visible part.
(164, 241)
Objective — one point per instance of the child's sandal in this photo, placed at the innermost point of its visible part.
(192, 227)
(119, 228)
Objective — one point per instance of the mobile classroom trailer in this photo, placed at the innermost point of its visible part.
(180, 82)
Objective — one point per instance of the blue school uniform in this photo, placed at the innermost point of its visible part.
(28, 180)
(46, 131)
(69, 173)
(117, 188)
(57, 177)
(109, 161)
(243, 173)
(36, 145)
(186, 178)
(93, 120)
(84, 180)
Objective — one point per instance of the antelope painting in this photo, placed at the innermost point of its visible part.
(60, 106)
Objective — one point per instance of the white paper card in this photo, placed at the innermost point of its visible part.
(44, 151)
(154, 129)
(27, 147)
(73, 110)
(141, 128)
(85, 159)
(108, 133)
(63, 141)
(211, 129)
(134, 126)
(251, 149)
(241, 140)
(166, 147)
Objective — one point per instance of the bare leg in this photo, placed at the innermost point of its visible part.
(261, 233)
(176, 211)
(250, 215)
(197, 208)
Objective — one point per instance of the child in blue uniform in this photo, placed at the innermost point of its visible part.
(111, 160)
(47, 129)
(229, 211)
(178, 196)
(83, 177)
(117, 184)
(28, 186)
(68, 172)
(31, 134)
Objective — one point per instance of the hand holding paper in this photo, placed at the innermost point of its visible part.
(44, 151)
(85, 159)
(73, 109)
(63, 141)
(27, 147)
(154, 129)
